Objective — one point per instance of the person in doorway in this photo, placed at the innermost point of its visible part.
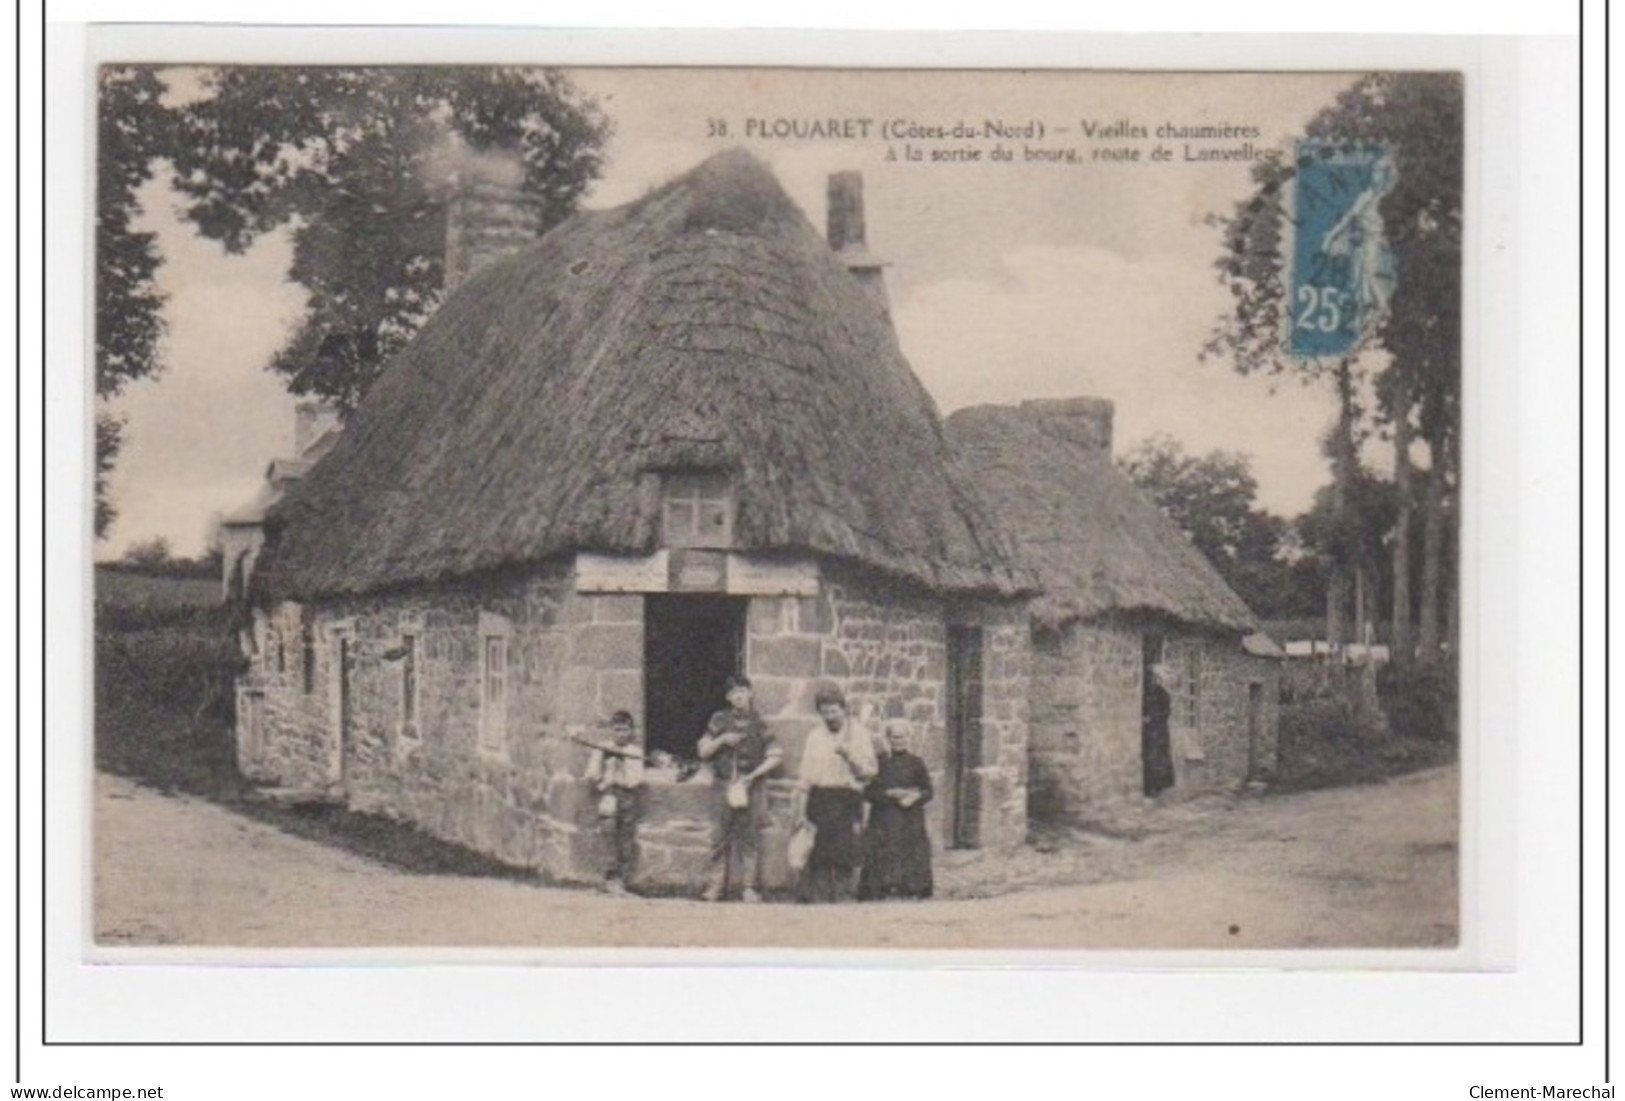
(1156, 749)
(837, 761)
(742, 752)
(897, 850)
(616, 773)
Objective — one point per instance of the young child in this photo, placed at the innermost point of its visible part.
(616, 772)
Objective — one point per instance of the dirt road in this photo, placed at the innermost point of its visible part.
(1356, 867)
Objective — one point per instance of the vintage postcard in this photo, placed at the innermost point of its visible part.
(768, 508)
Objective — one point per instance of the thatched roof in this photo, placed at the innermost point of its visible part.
(706, 325)
(1095, 542)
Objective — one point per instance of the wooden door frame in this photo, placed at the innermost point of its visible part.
(963, 750)
(340, 699)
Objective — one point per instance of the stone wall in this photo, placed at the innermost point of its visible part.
(885, 649)
(885, 646)
(1085, 717)
(1086, 702)
(572, 660)
(293, 747)
(1218, 751)
(1006, 694)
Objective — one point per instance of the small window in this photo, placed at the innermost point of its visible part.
(698, 510)
(281, 651)
(493, 683)
(1151, 649)
(409, 686)
(1193, 688)
(1193, 704)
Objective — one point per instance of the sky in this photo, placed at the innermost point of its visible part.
(1009, 279)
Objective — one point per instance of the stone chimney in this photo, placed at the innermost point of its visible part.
(847, 239)
(487, 215)
(1083, 422)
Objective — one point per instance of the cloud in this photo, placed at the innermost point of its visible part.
(1072, 321)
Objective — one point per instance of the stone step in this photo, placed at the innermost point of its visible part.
(297, 796)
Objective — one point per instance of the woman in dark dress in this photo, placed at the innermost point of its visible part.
(897, 858)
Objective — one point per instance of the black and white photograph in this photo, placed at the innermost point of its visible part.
(776, 508)
(1032, 550)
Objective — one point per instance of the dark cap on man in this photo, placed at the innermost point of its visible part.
(736, 680)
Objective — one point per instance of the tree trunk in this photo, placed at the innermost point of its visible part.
(1400, 637)
(1427, 640)
(1368, 716)
(1362, 603)
(1346, 555)
(1337, 602)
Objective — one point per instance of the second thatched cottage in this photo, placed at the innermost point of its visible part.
(1122, 590)
(672, 441)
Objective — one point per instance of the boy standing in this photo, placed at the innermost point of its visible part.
(741, 752)
(617, 775)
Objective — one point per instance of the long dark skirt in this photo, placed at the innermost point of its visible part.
(897, 863)
(831, 872)
(838, 815)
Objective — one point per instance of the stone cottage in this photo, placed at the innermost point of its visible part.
(664, 443)
(1122, 589)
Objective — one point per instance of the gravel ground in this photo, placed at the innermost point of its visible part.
(1370, 866)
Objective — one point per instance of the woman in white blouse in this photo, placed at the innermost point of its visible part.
(836, 763)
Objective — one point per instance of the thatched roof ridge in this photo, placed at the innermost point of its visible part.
(706, 325)
(1095, 542)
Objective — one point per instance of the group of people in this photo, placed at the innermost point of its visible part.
(860, 799)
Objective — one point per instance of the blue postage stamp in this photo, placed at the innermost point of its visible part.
(1342, 270)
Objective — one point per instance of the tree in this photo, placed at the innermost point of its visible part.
(151, 554)
(132, 129)
(1212, 500)
(1351, 535)
(358, 162)
(109, 437)
(1418, 119)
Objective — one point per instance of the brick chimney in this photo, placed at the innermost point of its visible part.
(1083, 422)
(845, 230)
(487, 215)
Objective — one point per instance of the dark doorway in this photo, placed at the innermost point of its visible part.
(1156, 715)
(691, 642)
(964, 736)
